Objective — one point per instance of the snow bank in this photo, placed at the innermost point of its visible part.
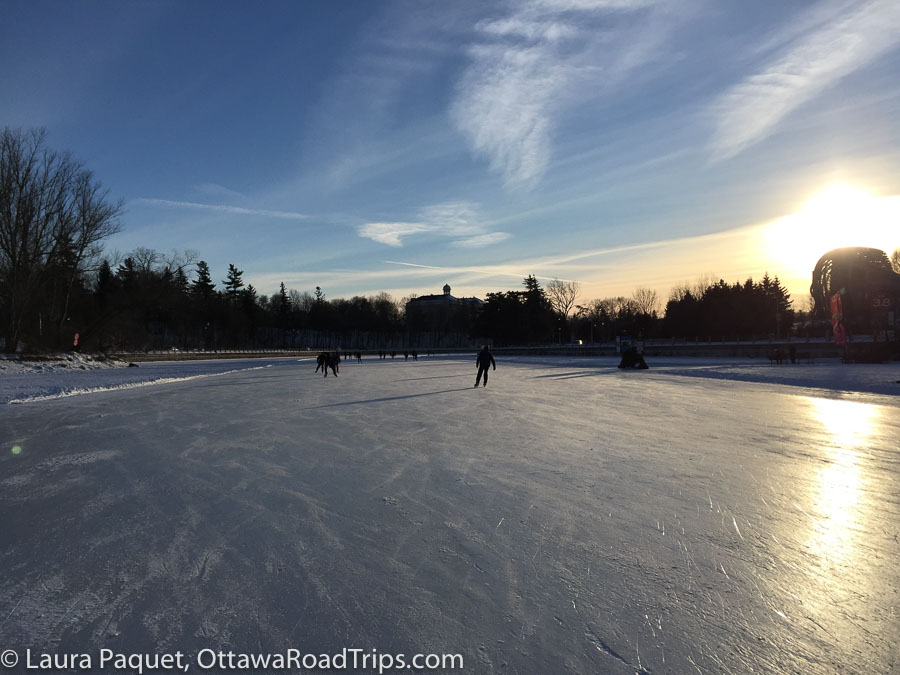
(58, 362)
(59, 378)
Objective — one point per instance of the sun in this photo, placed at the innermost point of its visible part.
(838, 216)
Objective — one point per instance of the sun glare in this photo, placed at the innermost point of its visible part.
(849, 424)
(840, 215)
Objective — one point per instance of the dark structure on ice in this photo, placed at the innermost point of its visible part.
(631, 358)
(861, 283)
(866, 276)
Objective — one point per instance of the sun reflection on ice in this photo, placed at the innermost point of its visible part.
(849, 424)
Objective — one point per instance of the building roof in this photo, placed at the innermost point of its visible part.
(444, 299)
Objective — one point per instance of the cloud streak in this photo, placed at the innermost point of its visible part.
(522, 73)
(827, 45)
(459, 220)
(480, 240)
(514, 270)
(582, 265)
(392, 234)
(222, 208)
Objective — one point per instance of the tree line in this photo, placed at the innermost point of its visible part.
(700, 310)
(55, 281)
(148, 302)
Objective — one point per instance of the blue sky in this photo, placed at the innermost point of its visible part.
(398, 146)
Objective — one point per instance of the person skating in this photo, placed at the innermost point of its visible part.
(484, 360)
(333, 361)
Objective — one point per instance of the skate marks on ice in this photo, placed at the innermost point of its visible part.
(388, 398)
(827, 375)
(658, 526)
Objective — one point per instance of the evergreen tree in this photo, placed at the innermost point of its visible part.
(539, 317)
(776, 302)
(181, 282)
(682, 316)
(234, 283)
(504, 318)
(126, 273)
(105, 284)
(203, 284)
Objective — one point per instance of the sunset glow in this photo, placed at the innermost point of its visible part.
(838, 216)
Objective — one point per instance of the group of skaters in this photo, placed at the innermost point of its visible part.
(406, 354)
(382, 354)
(325, 360)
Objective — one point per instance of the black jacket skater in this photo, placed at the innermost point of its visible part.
(484, 361)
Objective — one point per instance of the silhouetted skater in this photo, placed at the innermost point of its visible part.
(333, 361)
(484, 360)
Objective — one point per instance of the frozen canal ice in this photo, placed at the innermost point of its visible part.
(568, 518)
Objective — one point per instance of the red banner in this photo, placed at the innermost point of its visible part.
(837, 320)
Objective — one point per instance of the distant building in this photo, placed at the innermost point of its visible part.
(452, 318)
(428, 302)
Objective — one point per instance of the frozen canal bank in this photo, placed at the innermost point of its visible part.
(696, 517)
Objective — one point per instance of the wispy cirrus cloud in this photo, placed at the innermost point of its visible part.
(827, 44)
(459, 220)
(523, 73)
(512, 270)
(222, 208)
(479, 240)
(216, 191)
(392, 234)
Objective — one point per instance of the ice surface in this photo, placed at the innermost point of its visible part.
(702, 516)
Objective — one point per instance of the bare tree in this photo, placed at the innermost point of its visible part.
(92, 220)
(895, 260)
(145, 260)
(615, 307)
(678, 292)
(53, 216)
(702, 284)
(387, 309)
(697, 289)
(646, 300)
(181, 260)
(562, 295)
